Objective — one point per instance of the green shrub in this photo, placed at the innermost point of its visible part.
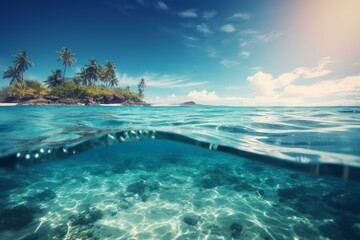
(36, 89)
(33, 84)
(127, 93)
(71, 89)
(95, 91)
(26, 89)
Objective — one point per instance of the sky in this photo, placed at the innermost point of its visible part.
(228, 52)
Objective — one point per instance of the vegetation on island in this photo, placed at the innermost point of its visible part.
(141, 88)
(94, 81)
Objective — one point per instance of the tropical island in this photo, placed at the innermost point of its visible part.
(95, 84)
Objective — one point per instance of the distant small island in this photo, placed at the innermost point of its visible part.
(93, 85)
(190, 103)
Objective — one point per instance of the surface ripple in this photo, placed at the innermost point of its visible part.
(328, 134)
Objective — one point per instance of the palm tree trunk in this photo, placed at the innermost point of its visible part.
(64, 72)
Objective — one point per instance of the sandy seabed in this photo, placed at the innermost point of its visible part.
(166, 190)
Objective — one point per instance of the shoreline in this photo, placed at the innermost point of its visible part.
(57, 105)
(83, 104)
(56, 101)
(52, 100)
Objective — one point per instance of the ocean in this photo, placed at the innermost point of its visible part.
(198, 172)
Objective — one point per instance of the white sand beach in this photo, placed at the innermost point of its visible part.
(7, 104)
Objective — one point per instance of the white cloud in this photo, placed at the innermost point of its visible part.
(229, 28)
(192, 38)
(243, 43)
(203, 28)
(203, 95)
(229, 63)
(245, 54)
(126, 80)
(179, 84)
(190, 45)
(172, 96)
(269, 36)
(161, 5)
(345, 87)
(200, 97)
(210, 97)
(316, 71)
(256, 36)
(262, 84)
(285, 89)
(241, 16)
(159, 81)
(190, 13)
(165, 101)
(249, 32)
(265, 85)
(209, 14)
(235, 87)
(257, 68)
(211, 52)
(342, 92)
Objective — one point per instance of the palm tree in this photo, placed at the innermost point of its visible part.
(141, 87)
(91, 73)
(55, 79)
(108, 74)
(67, 57)
(82, 75)
(113, 82)
(12, 73)
(22, 63)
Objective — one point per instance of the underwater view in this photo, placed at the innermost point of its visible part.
(217, 173)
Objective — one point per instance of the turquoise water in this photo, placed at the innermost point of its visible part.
(179, 173)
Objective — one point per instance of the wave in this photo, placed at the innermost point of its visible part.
(24, 159)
